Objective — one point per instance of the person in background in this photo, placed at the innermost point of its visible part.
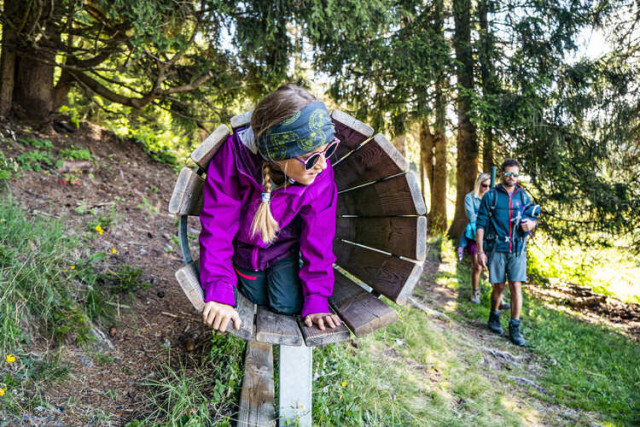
(471, 206)
(505, 218)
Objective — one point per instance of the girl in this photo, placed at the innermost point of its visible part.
(269, 200)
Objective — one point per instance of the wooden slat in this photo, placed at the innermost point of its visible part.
(402, 236)
(257, 397)
(351, 132)
(375, 160)
(396, 196)
(189, 279)
(241, 120)
(393, 277)
(314, 336)
(187, 194)
(276, 328)
(362, 312)
(205, 151)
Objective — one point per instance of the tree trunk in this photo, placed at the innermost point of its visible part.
(33, 94)
(33, 91)
(8, 58)
(487, 72)
(467, 144)
(400, 142)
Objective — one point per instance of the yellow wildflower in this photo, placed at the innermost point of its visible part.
(2, 391)
(302, 407)
(99, 229)
(10, 358)
(114, 251)
(73, 267)
(399, 316)
(344, 383)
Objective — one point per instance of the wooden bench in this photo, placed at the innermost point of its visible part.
(380, 246)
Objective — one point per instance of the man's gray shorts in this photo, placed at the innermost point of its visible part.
(511, 265)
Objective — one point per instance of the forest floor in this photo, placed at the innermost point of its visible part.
(117, 205)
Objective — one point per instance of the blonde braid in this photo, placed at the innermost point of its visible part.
(263, 221)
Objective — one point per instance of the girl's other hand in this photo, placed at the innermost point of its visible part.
(218, 315)
(322, 319)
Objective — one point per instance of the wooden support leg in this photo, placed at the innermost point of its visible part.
(295, 385)
(256, 400)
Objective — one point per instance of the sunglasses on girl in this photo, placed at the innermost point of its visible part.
(485, 185)
(513, 174)
(311, 161)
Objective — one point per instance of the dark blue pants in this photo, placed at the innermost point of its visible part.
(277, 287)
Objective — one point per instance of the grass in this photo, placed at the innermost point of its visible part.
(196, 390)
(51, 293)
(584, 366)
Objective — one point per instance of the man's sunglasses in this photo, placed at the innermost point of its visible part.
(311, 161)
(513, 174)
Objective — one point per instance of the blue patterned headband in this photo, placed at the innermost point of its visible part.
(301, 133)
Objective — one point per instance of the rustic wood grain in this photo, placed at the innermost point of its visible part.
(241, 120)
(402, 236)
(189, 280)
(375, 160)
(396, 196)
(276, 328)
(351, 132)
(257, 397)
(314, 336)
(205, 151)
(187, 194)
(390, 276)
(360, 310)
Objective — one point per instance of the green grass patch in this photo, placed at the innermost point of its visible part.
(50, 292)
(586, 366)
(196, 390)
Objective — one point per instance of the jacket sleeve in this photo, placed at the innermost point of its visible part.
(469, 207)
(220, 219)
(316, 245)
(482, 220)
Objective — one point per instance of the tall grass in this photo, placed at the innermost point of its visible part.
(36, 299)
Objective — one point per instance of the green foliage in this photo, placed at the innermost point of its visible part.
(74, 153)
(35, 160)
(37, 143)
(190, 391)
(8, 167)
(125, 280)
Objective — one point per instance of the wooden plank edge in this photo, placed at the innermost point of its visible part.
(273, 337)
(352, 123)
(314, 336)
(241, 120)
(416, 194)
(409, 285)
(178, 190)
(206, 150)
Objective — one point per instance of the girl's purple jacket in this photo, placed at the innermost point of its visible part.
(306, 215)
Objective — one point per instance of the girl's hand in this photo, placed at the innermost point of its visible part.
(218, 315)
(320, 319)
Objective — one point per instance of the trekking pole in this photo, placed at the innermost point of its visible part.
(493, 175)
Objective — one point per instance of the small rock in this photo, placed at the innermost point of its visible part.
(166, 343)
(113, 331)
(160, 294)
(190, 345)
(85, 361)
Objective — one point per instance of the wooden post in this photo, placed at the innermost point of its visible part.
(256, 399)
(295, 385)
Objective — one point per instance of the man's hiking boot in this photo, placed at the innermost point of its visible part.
(494, 322)
(504, 305)
(475, 297)
(514, 332)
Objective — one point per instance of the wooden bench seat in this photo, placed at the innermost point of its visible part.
(380, 246)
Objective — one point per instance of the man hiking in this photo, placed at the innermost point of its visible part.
(505, 218)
